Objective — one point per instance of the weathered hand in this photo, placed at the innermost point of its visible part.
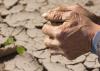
(74, 34)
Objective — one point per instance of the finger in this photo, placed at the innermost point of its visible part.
(57, 14)
(51, 42)
(57, 9)
(54, 16)
(51, 31)
(58, 17)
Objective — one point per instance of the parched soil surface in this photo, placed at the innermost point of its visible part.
(22, 20)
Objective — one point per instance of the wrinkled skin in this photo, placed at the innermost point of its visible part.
(75, 32)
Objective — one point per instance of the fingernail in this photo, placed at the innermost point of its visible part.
(44, 15)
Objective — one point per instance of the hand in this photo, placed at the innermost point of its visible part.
(73, 36)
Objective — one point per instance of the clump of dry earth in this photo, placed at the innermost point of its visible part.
(22, 19)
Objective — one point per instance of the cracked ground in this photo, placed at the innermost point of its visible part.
(22, 20)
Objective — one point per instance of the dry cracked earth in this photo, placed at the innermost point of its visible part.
(22, 19)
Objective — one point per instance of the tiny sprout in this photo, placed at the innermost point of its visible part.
(9, 41)
(20, 49)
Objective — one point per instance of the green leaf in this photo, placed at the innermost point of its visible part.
(20, 49)
(9, 41)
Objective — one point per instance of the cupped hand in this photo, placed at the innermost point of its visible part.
(75, 32)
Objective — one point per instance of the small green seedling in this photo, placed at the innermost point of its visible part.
(9, 41)
(20, 49)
